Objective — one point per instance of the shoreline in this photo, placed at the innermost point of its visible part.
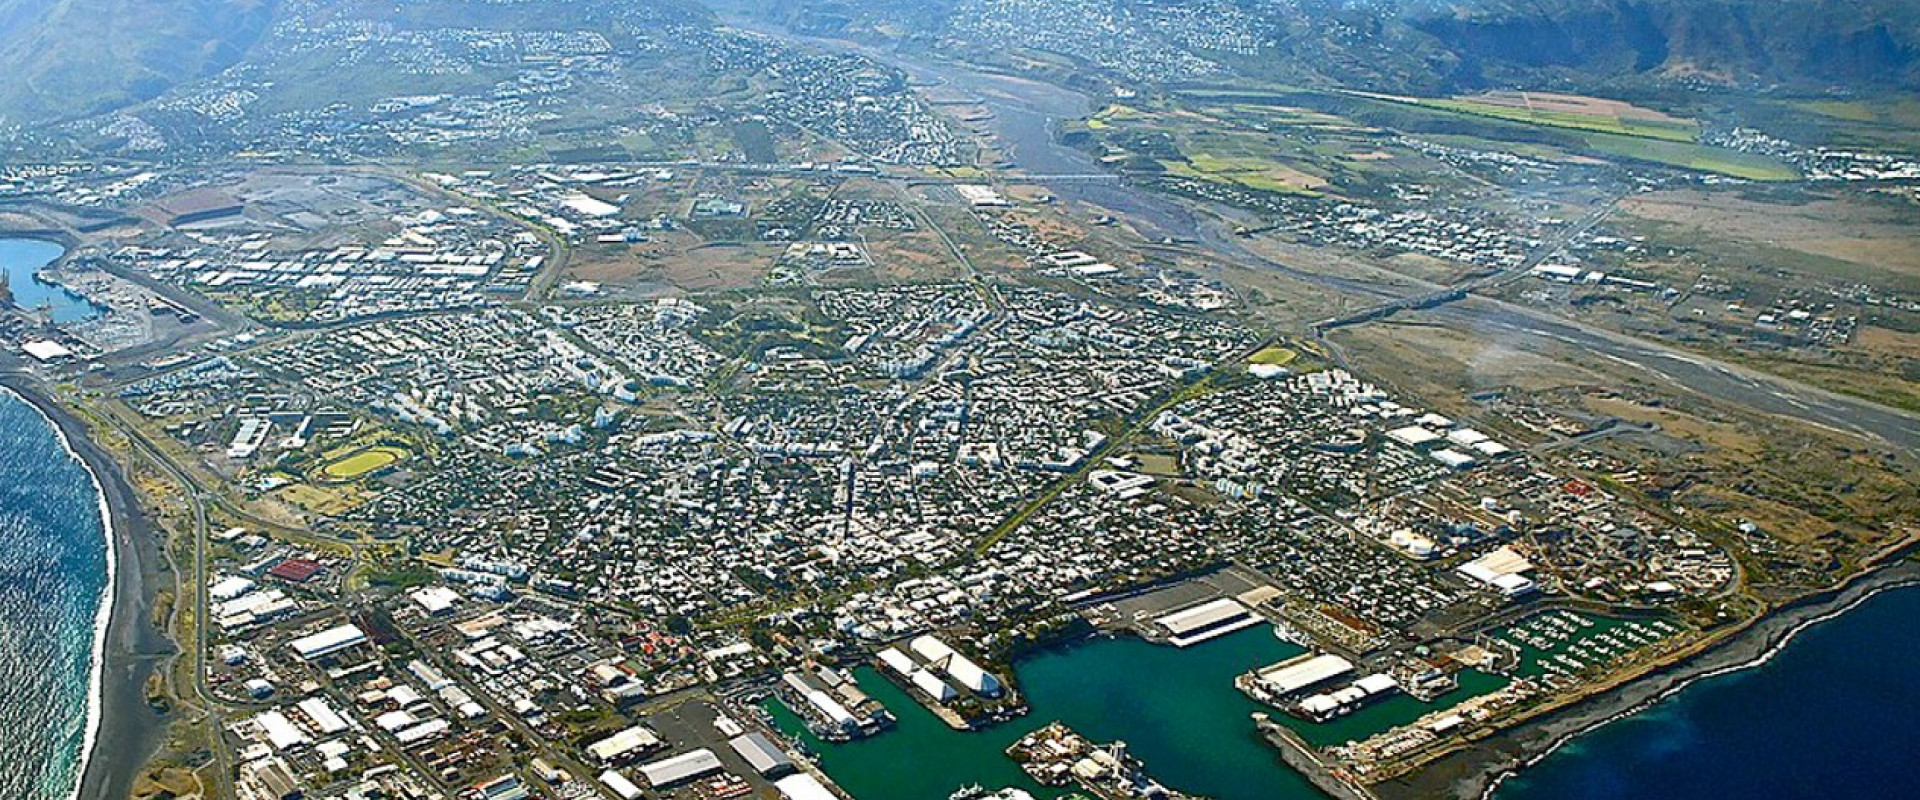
(1480, 770)
(123, 730)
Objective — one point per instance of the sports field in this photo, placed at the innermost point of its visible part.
(363, 462)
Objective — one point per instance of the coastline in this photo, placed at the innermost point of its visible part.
(1479, 770)
(123, 731)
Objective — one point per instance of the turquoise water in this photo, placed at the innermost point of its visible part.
(1175, 708)
(21, 258)
(1835, 715)
(53, 569)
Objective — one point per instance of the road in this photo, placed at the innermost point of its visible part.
(1441, 295)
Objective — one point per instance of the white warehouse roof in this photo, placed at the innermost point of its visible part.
(1303, 672)
(802, 787)
(327, 642)
(683, 767)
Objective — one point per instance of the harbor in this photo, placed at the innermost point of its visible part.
(1175, 707)
(26, 285)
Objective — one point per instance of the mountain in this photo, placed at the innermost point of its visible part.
(1856, 43)
(68, 59)
(72, 58)
(1421, 45)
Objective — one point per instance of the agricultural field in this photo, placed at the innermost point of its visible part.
(1277, 148)
(1691, 156)
(1574, 112)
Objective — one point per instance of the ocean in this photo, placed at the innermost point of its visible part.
(54, 570)
(1835, 714)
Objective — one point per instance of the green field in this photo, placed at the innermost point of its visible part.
(1275, 355)
(1699, 157)
(363, 462)
(1618, 126)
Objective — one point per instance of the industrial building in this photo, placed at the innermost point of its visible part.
(626, 744)
(1301, 673)
(681, 768)
(1206, 621)
(328, 642)
(962, 669)
(761, 753)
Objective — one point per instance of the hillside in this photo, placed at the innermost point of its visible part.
(1422, 46)
(70, 58)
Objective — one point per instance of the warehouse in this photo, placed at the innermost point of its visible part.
(1454, 459)
(832, 711)
(622, 788)
(280, 732)
(325, 719)
(1327, 705)
(935, 688)
(803, 787)
(897, 662)
(46, 351)
(1413, 436)
(624, 745)
(328, 642)
(1301, 673)
(960, 668)
(761, 753)
(1500, 570)
(1205, 621)
(681, 768)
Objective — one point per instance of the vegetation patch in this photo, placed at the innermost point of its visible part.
(1698, 157)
